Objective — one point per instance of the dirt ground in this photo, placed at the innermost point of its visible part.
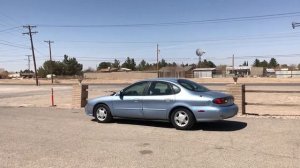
(50, 137)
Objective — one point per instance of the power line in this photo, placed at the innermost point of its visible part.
(12, 45)
(260, 36)
(266, 56)
(12, 28)
(10, 18)
(16, 44)
(232, 19)
(246, 56)
(42, 54)
(11, 61)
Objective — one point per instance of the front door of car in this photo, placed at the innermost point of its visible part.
(129, 103)
(158, 100)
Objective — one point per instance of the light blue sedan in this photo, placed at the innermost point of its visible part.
(180, 101)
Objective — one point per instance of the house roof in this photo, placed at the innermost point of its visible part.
(187, 68)
(108, 69)
(270, 70)
(104, 70)
(238, 67)
(204, 69)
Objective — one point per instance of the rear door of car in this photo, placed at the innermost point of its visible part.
(158, 100)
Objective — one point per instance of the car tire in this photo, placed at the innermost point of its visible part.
(102, 113)
(182, 119)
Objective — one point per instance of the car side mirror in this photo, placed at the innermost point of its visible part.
(121, 94)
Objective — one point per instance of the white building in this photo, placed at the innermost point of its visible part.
(204, 72)
(14, 75)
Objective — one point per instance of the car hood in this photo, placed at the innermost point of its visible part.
(100, 98)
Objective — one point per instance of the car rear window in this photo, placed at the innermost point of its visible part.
(192, 86)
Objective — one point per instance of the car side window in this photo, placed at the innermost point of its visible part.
(160, 88)
(135, 89)
(176, 89)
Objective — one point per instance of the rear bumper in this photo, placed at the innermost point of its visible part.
(215, 113)
(229, 112)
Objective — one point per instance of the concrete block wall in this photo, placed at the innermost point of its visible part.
(79, 95)
(238, 92)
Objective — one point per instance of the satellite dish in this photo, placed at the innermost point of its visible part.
(199, 52)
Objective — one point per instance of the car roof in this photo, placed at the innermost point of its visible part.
(174, 80)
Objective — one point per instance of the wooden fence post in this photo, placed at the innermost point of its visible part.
(238, 92)
(79, 95)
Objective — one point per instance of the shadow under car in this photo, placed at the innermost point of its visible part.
(223, 125)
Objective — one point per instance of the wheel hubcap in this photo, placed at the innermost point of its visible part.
(181, 118)
(101, 114)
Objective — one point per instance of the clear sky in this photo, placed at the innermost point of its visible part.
(102, 30)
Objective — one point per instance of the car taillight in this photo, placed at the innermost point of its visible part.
(220, 101)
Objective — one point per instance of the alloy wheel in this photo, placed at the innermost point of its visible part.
(181, 118)
(101, 113)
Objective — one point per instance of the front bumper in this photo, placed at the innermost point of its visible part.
(88, 109)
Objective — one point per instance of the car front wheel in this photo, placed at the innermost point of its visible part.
(103, 114)
(182, 119)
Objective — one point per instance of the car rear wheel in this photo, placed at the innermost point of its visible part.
(103, 114)
(182, 119)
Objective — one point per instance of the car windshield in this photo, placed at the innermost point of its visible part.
(193, 86)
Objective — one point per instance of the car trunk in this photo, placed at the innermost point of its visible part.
(228, 99)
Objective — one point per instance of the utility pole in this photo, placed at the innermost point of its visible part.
(51, 70)
(157, 52)
(32, 49)
(29, 61)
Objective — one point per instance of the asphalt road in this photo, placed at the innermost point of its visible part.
(49, 137)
